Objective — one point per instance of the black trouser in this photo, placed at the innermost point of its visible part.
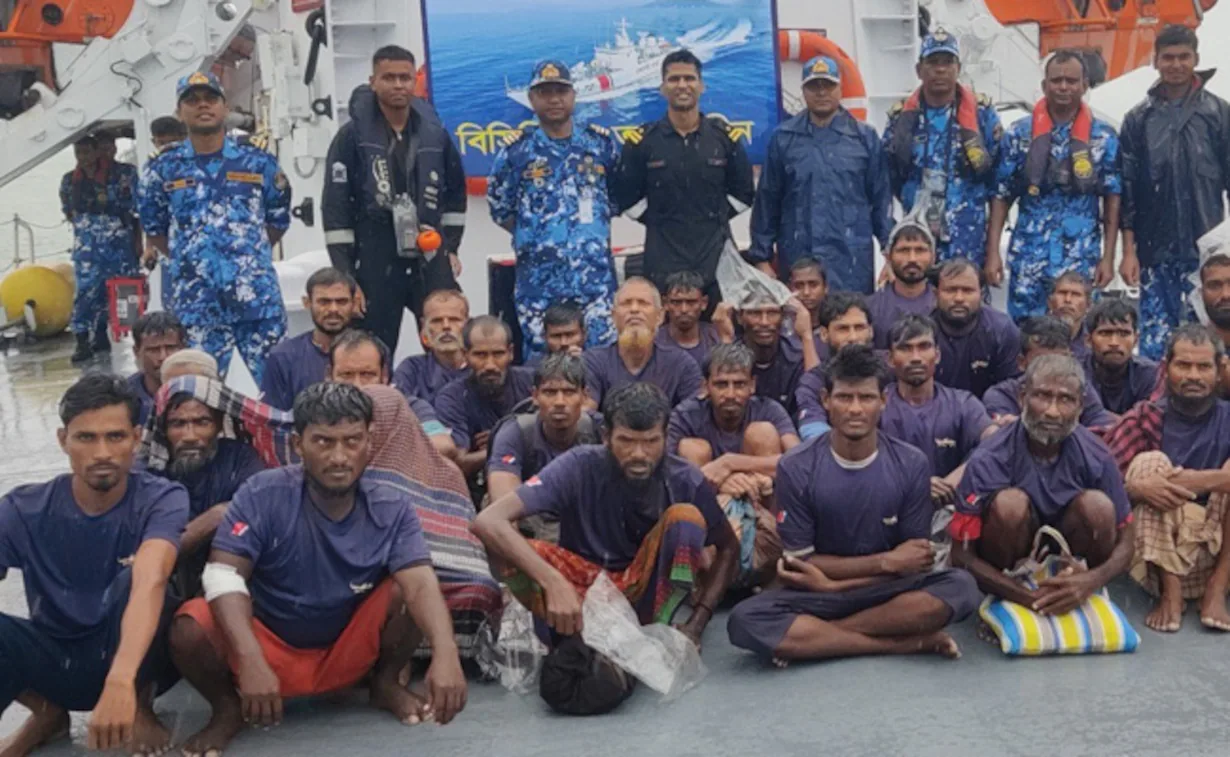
(397, 285)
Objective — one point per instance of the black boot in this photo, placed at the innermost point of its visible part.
(84, 351)
(101, 343)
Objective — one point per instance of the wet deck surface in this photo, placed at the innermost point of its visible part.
(1168, 698)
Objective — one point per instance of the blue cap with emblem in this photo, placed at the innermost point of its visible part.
(551, 72)
(198, 80)
(821, 67)
(939, 41)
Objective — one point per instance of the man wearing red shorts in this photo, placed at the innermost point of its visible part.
(309, 582)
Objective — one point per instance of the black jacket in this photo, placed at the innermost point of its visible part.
(1176, 171)
(359, 183)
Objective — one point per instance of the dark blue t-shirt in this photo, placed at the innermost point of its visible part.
(136, 382)
(466, 412)
(887, 307)
(982, 358)
(293, 366)
(309, 573)
(694, 420)
(947, 429)
(68, 558)
(709, 339)
(778, 379)
(1197, 443)
(422, 376)
(234, 463)
(669, 368)
(602, 517)
(511, 454)
(1137, 385)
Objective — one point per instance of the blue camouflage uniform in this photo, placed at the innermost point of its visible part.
(102, 209)
(556, 196)
(214, 209)
(919, 138)
(1057, 229)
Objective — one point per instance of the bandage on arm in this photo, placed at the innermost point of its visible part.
(220, 580)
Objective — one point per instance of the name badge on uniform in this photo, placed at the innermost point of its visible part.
(245, 177)
(176, 184)
(585, 208)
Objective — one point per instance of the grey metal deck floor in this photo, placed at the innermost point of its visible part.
(1170, 698)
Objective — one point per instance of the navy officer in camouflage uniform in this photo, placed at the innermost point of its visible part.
(98, 198)
(1063, 165)
(550, 187)
(942, 144)
(215, 209)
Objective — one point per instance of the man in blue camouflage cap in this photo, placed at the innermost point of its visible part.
(942, 144)
(824, 192)
(550, 187)
(214, 209)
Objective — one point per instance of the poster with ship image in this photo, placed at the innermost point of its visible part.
(481, 55)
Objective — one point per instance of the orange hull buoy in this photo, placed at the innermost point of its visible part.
(801, 45)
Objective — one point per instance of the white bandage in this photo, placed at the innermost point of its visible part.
(220, 580)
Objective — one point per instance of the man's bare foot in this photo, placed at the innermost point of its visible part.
(939, 643)
(407, 706)
(1213, 613)
(1167, 614)
(149, 737)
(46, 724)
(227, 721)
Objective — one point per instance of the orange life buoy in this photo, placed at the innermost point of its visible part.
(801, 45)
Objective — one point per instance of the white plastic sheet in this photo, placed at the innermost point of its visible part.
(515, 659)
(660, 656)
(741, 281)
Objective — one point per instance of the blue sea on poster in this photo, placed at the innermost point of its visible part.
(482, 53)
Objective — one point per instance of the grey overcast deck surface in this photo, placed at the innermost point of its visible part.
(1170, 698)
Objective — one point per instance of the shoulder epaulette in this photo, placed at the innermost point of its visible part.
(634, 136)
(720, 121)
(516, 135)
(601, 131)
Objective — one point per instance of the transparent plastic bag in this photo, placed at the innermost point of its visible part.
(940, 539)
(743, 282)
(514, 658)
(660, 656)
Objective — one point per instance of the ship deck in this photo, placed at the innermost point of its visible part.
(1162, 700)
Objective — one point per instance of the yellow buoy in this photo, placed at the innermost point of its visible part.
(66, 270)
(51, 294)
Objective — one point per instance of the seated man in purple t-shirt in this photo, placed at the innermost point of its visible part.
(563, 326)
(911, 254)
(360, 359)
(1069, 300)
(979, 345)
(634, 356)
(844, 319)
(685, 301)
(523, 444)
(299, 362)
(627, 508)
(780, 360)
(95, 548)
(445, 312)
(1043, 335)
(318, 577)
(471, 406)
(1120, 378)
(155, 337)
(1178, 477)
(1043, 470)
(858, 577)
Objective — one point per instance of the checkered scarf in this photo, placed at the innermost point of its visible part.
(264, 427)
(1138, 430)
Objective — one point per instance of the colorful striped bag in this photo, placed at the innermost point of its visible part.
(1096, 627)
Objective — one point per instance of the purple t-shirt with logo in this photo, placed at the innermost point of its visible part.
(947, 428)
(829, 509)
(1005, 399)
(602, 517)
(778, 379)
(309, 573)
(1137, 385)
(1197, 443)
(1004, 461)
(465, 412)
(982, 358)
(68, 559)
(422, 376)
(813, 419)
(669, 368)
(694, 420)
(511, 454)
(709, 339)
(293, 366)
(887, 307)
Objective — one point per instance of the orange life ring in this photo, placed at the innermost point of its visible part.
(801, 45)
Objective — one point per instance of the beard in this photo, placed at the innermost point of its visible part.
(1046, 435)
(636, 337)
(1220, 315)
(489, 386)
(640, 484)
(188, 460)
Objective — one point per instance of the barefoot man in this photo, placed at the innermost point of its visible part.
(858, 577)
(96, 548)
(318, 577)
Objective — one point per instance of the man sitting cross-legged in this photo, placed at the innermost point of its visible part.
(1043, 470)
(627, 508)
(856, 517)
(95, 548)
(318, 576)
(1176, 456)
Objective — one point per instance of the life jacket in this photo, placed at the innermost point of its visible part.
(1077, 172)
(974, 158)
